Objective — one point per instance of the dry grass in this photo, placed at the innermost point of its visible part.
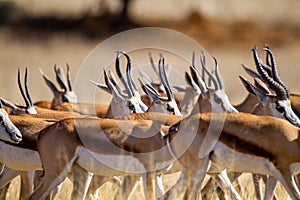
(107, 191)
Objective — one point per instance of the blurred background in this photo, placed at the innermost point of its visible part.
(38, 34)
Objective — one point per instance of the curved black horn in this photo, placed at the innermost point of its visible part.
(129, 73)
(193, 59)
(202, 59)
(275, 74)
(164, 79)
(153, 64)
(203, 63)
(217, 73)
(120, 75)
(22, 91)
(268, 59)
(280, 91)
(26, 88)
(60, 78)
(69, 77)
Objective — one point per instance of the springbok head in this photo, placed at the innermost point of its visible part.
(130, 82)
(280, 105)
(18, 109)
(210, 99)
(123, 102)
(66, 93)
(8, 131)
(161, 103)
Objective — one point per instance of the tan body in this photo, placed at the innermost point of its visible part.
(240, 126)
(272, 144)
(70, 144)
(22, 157)
(91, 109)
(248, 104)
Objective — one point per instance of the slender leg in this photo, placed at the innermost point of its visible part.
(149, 187)
(198, 179)
(286, 180)
(26, 185)
(209, 188)
(3, 191)
(159, 187)
(257, 185)
(224, 182)
(81, 182)
(271, 184)
(96, 182)
(128, 185)
(6, 177)
(178, 188)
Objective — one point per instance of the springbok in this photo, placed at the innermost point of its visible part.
(9, 132)
(66, 94)
(267, 103)
(49, 114)
(161, 104)
(73, 137)
(154, 117)
(28, 125)
(250, 101)
(270, 144)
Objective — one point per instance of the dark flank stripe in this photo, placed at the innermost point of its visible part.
(25, 143)
(244, 146)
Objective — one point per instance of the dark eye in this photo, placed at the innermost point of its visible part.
(218, 100)
(279, 108)
(65, 99)
(170, 109)
(174, 128)
(131, 107)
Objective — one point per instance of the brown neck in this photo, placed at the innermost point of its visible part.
(248, 104)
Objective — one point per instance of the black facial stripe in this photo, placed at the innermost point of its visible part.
(8, 131)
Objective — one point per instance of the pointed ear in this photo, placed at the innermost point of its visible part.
(191, 83)
(149, 90)
(9, 104)
(60, 78)
(199, 81)
(254, 90)
(247, 85)
(250, 72)
(49, 83)
(101, 86)
(117, 97)
(259, 84)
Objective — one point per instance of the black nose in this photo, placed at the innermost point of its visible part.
(18, 137)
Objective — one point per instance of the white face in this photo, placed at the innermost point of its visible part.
(62, 97)
(285, 111)
(8, 131)
(125, 106)
(220, 102)
(168, 107)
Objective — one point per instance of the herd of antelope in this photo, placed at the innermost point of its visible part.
(193, 131)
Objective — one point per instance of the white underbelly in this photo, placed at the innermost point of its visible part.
(109, 165)
(225, 158)
(19, 159)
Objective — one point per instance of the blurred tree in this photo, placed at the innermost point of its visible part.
(122, 20)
